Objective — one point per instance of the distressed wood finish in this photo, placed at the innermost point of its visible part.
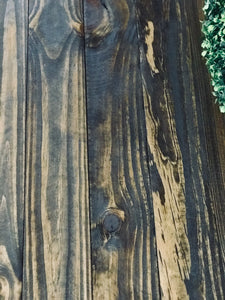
(57, 242)
(117, 119)
(124, 261)
(13, 22)
(155, 154)
(181, 135)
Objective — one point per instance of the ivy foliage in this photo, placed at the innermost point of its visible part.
(213, 46)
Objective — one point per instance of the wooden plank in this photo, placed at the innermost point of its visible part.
(13, 22)
(156, 158)
(214, 124)
(57, 243)
(156, 153)
(187, 151)
(124, 261)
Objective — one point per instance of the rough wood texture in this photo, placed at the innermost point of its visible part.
(13, 22)
(155, 154)
(124, 261)
(119, 117)
(57, 242)
(178, 117)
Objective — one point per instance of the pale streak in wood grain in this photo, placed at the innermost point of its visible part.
(172, 228)
(149, 39)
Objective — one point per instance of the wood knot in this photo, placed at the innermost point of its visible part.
(112, 220)
(103, 17)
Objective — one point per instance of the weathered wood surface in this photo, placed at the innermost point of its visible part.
(57, 243)
(124, 263)
(155, 154)
(13, 21)
(119, 117)
(183, 98)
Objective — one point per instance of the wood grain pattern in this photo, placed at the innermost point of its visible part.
(124, 262)
(106, 107)
(57, 242)
(151, 155)
(12, 139)
(176, 101)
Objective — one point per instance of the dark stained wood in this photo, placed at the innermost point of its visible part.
(112, 161)
(214, 125)
(124, 263)
(57, 242)
(13, 20)
(156, 153)
(184, 99)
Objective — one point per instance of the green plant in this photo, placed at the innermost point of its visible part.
(213, 46)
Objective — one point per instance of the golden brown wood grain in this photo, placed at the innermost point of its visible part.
(13, 20)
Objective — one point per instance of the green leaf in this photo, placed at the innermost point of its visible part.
(213, 47)
(210, 28)
(222, 108)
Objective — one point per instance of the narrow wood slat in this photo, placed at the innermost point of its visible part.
(57, 243)
(13, 40)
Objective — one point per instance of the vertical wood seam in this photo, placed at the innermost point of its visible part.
(87, 135)
(25, 146)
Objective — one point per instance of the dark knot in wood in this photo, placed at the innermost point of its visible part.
(102, 17)
(112, 220)
(112, 223)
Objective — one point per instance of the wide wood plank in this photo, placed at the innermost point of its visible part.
(182, 130)
(155, 153)
(13, 22)
(57, 242)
